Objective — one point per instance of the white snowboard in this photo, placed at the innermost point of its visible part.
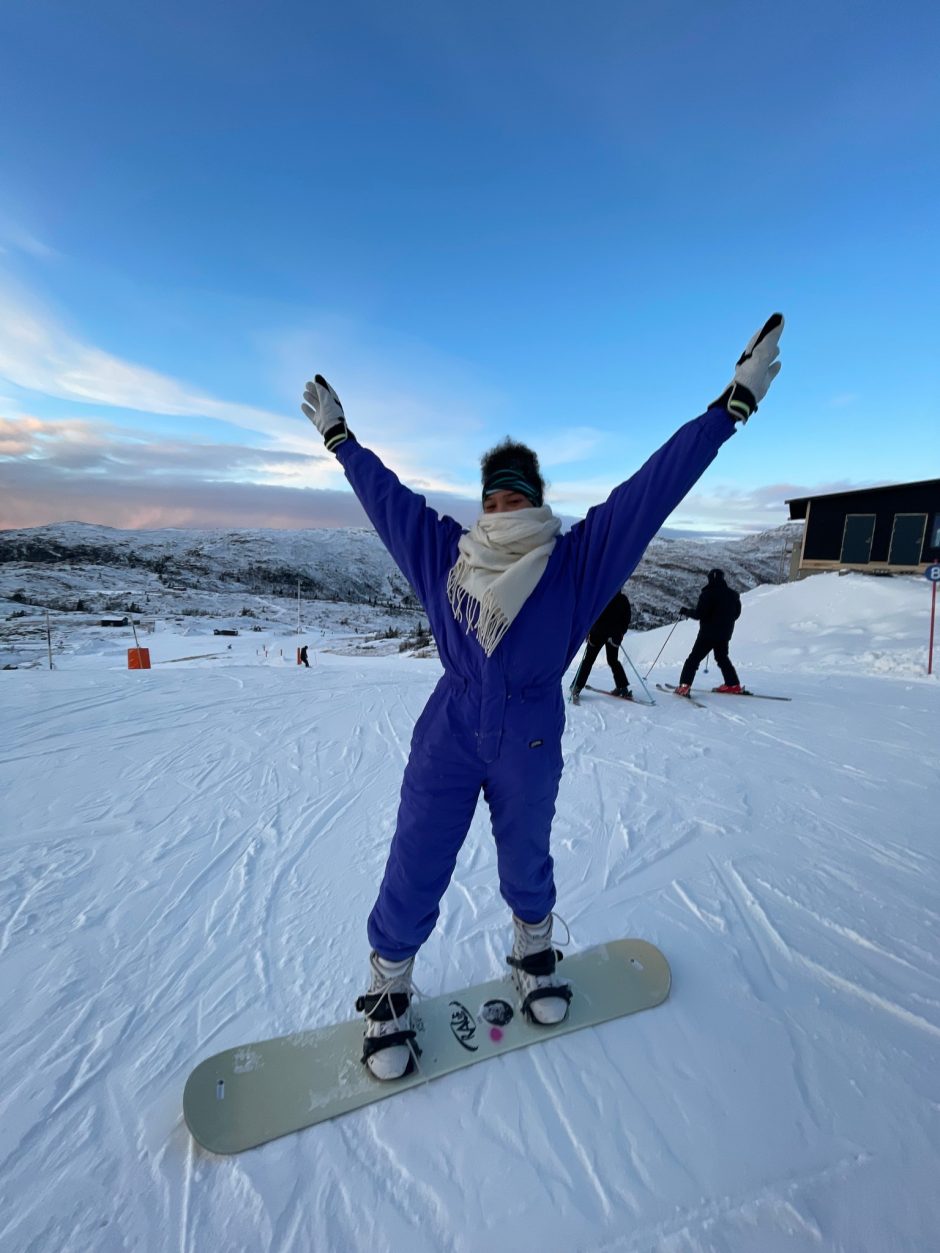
(248, 1095)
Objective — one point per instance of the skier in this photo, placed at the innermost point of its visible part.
(303, 657)
(509, 602)
(717, 610)
(608, 630)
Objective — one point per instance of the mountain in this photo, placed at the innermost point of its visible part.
(75, 567)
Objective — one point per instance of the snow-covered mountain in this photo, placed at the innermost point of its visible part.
(75, 567)
(349, 565)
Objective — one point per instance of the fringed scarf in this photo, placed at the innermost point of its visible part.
(500, 561)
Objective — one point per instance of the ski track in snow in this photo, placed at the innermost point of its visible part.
(188, 861)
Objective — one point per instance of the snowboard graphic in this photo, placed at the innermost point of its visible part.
(245, 1096)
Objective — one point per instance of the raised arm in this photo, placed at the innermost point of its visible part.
(608, 545)
(421, 543)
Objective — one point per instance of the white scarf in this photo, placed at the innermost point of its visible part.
(500, 561)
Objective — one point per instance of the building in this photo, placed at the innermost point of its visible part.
(879, 530)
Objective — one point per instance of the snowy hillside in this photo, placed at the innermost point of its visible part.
(345, 578)
(346, 564)
(189, 855)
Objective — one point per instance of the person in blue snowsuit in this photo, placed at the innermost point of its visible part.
(509, 603)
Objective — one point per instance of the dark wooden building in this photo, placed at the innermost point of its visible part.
(881, 530)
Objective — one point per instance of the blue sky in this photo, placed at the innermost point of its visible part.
(552, 221)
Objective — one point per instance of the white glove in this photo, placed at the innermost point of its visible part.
(324, 409)
(756, 369)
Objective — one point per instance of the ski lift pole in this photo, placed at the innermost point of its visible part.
(932, 575)
(637, 673)
(137, 658)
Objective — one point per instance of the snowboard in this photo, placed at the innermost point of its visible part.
(246, 1096)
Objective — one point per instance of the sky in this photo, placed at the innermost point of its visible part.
(552, 222)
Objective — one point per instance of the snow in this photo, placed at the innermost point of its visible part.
(189, 855)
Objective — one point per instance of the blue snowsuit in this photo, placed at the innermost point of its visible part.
(494, 724)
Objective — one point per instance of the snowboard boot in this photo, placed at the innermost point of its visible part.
(544, 997)
(389, 1049)
(623, 692)
(730, 689)
(684, 689)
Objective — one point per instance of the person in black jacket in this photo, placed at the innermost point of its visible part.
(718, 608)
(607, 631)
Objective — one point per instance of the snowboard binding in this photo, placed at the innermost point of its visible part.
(541, 966)
(388, 1007)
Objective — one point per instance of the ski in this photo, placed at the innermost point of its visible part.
(747, 692)
(628, 700)
(665, 687)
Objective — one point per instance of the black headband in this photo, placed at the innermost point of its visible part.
(513, 479)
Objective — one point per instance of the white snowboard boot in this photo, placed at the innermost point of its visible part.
(389, 1048)
(543, 995)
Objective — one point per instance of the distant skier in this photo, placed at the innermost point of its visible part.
(607, 632)
(717, 610)
(303, 656)
(509, 603)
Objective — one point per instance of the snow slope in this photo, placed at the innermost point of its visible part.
(189, 854)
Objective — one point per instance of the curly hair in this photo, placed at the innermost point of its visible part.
(507, 459)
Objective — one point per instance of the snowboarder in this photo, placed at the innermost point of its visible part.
(509, 603)
(303, 657)
(717, 610)
(608, 631)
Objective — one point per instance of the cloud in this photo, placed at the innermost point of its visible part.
(437, 423)
(730, 511)
(18, 438)
(33, 499)
(725, 511)
(844, 400)
(75, 444)
(575, 443)
(425, 413)
(413, 407)
(74, 470)
(14, 237)
(40, 355)
(31, 496)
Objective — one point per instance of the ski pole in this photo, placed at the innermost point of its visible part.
(637, 673)
(665, 642)
(580, 663)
